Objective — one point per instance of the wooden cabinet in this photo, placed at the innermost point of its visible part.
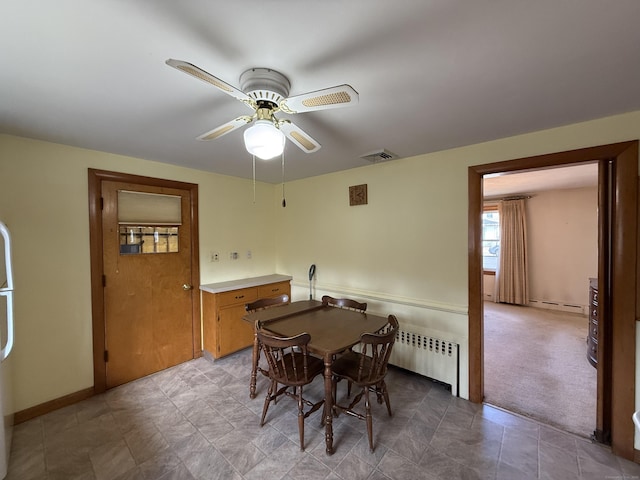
(592, 336)
(223, 306)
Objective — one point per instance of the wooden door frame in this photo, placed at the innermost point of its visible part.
(619, 354)
(96, 177)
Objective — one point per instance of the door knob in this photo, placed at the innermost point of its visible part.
(186, 286)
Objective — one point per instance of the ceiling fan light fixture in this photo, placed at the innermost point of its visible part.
(264, 140)
(266, 92)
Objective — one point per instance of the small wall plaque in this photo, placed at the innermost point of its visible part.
(358, 194)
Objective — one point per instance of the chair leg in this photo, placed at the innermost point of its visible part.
(267, 401)
(300, 419)
(385, 394)
(369, 418)
(254, 366)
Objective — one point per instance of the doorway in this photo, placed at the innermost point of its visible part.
(145, 296)
(535, 358)
(617, 274)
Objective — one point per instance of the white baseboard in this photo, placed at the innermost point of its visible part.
(564, 307)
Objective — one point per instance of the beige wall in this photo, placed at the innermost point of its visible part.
(562, 240)
(44, 202)
(405, 252)
(562, 234)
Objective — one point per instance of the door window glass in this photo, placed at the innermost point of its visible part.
(147, 239)
(148, 222)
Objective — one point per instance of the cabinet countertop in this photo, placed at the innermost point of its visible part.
(229, 285)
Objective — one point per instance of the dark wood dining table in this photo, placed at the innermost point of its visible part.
(332, 330)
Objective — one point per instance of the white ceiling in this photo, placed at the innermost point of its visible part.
(431, 74)
(530, 182)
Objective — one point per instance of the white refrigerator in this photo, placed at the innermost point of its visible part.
(6, 344)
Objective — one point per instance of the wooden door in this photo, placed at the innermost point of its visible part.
(147, 296)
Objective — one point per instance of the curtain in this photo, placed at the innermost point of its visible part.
(512, 285)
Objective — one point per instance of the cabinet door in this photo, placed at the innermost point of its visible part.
(235, 333)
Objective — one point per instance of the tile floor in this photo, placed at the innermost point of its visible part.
(196, 421)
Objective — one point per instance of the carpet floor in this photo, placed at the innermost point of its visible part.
(535, 364)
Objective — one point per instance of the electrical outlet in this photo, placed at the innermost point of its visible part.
(214, 257)
(249, 255)
(233, 255)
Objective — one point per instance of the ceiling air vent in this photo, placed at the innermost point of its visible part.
(379, 156)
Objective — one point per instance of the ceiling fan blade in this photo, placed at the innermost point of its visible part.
(215, 81)
(298, 136)
(333, 97)
(226, 128)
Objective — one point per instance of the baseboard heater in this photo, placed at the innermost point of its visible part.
(432, 357)
(564, 307)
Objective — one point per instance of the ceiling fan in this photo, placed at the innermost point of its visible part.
(266, 92)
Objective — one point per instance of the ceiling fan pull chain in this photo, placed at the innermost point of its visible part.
(284, 202)
(254, 178)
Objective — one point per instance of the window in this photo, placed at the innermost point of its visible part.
(148, 239)
(490, 239)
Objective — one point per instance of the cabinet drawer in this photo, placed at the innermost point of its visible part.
(236, 297)
(273, 289)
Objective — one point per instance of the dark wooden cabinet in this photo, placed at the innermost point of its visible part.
(592, 336)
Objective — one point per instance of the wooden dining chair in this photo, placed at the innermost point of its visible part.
(366, 369)
(347, 303)
(255, 306)
(263, 303)
(291, 366)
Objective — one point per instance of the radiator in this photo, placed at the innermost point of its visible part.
(428, 356)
